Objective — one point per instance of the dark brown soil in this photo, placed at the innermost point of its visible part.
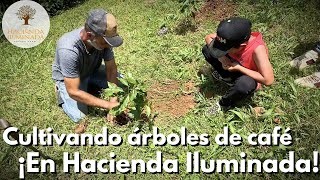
(170, 98)
(122, 119)
(216, 10)
(208, 93)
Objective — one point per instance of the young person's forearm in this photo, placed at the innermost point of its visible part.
(255, 75)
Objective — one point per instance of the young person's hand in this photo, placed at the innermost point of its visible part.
(209, 38)
(225, 61)
(233, 67)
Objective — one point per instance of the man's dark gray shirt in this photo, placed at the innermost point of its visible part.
(72, 59)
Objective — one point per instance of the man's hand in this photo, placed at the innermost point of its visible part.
(113, 99)
(110, 117)
(112, 103)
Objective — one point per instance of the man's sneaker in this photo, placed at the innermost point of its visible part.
(307, 59)
(218, 77)
(312, 81)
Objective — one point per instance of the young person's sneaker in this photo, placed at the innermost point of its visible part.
(218, 77)
(307, 59)
(217, 108)
(312, 81)
(205, 70)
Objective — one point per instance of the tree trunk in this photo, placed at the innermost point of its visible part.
(26, 20)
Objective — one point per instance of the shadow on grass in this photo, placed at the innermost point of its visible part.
(294, 71)
(303, 47)
(211, 87)
(186, 25)
(300, 50)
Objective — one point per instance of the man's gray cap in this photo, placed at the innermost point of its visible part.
(104, 24)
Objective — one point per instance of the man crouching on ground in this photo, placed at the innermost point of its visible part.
(78, 64)
(239, 58)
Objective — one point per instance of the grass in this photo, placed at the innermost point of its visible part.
(289, 29)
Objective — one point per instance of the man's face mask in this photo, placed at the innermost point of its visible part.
(94, 43)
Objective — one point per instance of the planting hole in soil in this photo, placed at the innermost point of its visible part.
(169, 98)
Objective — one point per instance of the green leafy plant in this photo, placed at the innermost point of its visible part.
(188, 11)
(189, 8)
(132, 97)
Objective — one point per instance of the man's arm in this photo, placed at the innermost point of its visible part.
(112, 71)
(265, 74)
(72, 86)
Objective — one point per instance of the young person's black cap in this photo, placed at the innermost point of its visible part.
(230, 33)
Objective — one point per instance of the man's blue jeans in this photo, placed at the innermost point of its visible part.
(76, 110)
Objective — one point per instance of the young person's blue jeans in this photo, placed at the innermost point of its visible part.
(76, 110)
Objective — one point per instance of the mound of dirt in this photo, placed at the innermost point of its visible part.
(216, 10)
(170, 98)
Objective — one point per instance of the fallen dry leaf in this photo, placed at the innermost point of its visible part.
(259, 111)
(277, 120)
(279, 111)
(81, 128)
(189, 86)
(110, 118)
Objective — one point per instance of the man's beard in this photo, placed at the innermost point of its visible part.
(94, 44)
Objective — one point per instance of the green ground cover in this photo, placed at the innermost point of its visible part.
(289, 28)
